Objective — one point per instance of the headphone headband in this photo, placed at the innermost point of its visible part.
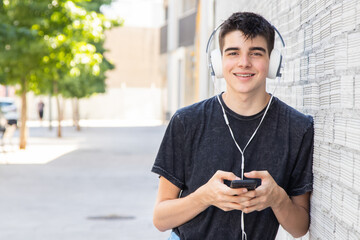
(214, 57)
(281, 38)
(209, 62)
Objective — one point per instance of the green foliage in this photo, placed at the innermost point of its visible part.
(21, 46)
(93, 5)
(54, 42)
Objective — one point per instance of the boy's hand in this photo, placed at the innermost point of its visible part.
(268, 194)
(216, 193)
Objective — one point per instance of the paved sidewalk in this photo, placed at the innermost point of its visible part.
(93, 184)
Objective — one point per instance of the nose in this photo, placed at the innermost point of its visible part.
(244, 61)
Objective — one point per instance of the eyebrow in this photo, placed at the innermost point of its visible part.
(251, 49)
(232, 49)
(258, 48)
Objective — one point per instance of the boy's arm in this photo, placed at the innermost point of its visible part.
(291, 212)
(171, 211)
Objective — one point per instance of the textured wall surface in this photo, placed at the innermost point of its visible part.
(321, 77)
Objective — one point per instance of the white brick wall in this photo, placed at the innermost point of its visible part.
(321, 77)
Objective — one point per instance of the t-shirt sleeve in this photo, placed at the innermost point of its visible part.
(301, 180)
(169, 161)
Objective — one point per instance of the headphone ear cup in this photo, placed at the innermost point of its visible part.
(216, 62)
(274, 64)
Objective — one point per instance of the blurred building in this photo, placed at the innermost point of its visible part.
(7, 91)
(135, 89)
(178, 57)
(184, 37)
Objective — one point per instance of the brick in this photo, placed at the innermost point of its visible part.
(316, 33)
(347, 92)
(357, 92)
(336, 19)
(337, 201)
(356, 185)
(334, 164)
(329, 128)
(341, 53)
(328, 228)
(340, 129)
(340, 231)
(326, 191)
(329, 60)
(351, 204)
(324, 159)
(347, 167)
(325, 26)
(316, 224)
(353, 133)
(317, 192)
(335, 92)
(353, 49)
(354, 235)
(349, 11)
(319, 67)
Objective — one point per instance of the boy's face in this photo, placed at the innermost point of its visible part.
(245, 63)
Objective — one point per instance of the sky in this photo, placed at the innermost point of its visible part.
(137, 13)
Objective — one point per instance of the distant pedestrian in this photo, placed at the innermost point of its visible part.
(41, 106)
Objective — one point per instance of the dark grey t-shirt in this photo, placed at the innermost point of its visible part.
(197, 143)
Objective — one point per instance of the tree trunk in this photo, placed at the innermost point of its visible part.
(59, 134)
(23, 135)
(73, 111)
(56, 93)
(76, 115)
(50, 114)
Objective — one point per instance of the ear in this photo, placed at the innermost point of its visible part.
(216, 62)
(274, 64)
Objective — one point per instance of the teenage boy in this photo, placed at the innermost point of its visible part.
(198, 153)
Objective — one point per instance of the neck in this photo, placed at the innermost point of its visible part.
(246, 105)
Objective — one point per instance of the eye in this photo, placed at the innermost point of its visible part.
(232, 53)
(257, 54)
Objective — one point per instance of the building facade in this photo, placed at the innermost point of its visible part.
(7, 91)
(178, 56)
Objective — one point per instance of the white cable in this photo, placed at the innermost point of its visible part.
(243, 233)
(244, 236)
(252, 136)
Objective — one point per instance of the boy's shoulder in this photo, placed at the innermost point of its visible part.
(300, 119)
(195, 110)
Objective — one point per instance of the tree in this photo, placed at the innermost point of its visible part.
(83, 34)
(23, 49)
(53, 47)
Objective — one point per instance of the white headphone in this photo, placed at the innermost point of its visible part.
(215, 58)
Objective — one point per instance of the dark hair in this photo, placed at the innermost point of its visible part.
(251, 25)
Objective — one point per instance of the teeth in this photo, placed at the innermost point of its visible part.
(244, 75)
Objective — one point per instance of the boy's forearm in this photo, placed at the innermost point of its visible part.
(175, 212)
(293, 217)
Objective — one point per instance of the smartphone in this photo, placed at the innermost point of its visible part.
(249, 184)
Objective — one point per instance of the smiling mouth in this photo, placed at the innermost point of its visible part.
(244, 75)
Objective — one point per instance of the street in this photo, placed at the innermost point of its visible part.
(97, 186)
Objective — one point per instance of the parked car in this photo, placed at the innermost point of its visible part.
(3, 123)
(9, 110)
